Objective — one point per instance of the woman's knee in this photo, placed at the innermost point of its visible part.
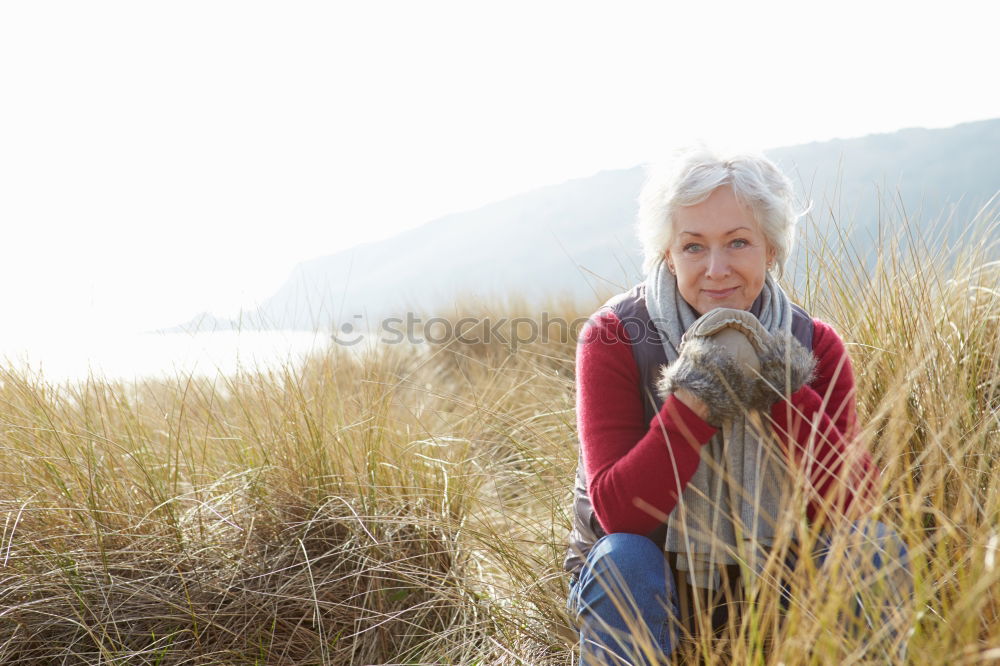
(867, 536)
(875, 557)
(624, 599)
(888, 543)
(882, 544)
(633, 560)
(627, 550)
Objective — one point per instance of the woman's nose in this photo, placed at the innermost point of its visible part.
(718, 265)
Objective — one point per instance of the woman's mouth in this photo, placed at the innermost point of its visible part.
(719, 294)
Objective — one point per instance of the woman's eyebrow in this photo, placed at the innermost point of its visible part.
(727, 233)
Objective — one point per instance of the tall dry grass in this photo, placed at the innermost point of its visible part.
(408, 505)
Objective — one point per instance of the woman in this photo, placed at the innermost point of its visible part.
(684, 384)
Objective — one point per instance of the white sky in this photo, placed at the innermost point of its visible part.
(160, 159)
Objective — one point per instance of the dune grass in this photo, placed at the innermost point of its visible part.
(409, 504)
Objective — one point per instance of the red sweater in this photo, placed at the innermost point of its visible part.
(636, 469)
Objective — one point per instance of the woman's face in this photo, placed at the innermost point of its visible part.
(719, 253)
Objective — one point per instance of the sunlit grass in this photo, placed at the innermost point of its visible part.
(410, 504)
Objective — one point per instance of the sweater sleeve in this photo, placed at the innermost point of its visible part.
(820, 423)
(635, 469)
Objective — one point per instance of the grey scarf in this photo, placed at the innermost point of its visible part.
(726, 514)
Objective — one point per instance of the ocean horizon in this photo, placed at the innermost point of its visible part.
(60, 358)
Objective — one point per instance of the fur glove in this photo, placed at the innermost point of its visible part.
(732, 363)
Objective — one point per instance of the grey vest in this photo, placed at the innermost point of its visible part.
(647, 350)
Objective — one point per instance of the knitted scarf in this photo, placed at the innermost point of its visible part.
(726, 514)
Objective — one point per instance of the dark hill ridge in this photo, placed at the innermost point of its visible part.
(578, 237)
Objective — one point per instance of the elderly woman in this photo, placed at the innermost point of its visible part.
(705, 400)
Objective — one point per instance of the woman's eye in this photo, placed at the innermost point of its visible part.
(739, 242)
(692, 247)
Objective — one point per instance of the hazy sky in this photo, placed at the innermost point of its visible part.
(159, 159)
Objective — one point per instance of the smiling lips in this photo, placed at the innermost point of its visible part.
(719, 293)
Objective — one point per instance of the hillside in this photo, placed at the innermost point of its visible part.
(577, 237)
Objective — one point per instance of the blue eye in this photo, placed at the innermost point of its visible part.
(739, 243)
(692, 247)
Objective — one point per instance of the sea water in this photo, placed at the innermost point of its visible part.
(69, 356)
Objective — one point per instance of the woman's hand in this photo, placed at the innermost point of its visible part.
(730, 363)
(707, 379)
(692, 402)
(776, 365)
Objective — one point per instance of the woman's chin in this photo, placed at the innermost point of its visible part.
(708, 304)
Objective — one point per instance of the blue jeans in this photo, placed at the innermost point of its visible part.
(875, 568)
(625, 601)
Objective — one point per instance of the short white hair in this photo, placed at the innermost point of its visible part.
(693, 176)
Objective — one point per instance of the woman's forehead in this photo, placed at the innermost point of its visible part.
(714, 224)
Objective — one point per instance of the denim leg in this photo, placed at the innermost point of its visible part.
(877, 570)
(624, 601)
